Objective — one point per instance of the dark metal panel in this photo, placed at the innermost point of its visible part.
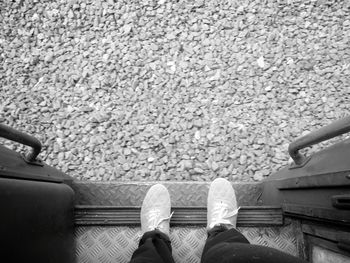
(335, 216)
(341, 201)
(331, 160)
(119, 216)
(314, 186)
(29, 176)
(336, 239)
(333, 234)
(315, 181)
(319, 197)
(132, 193)
(37, 221)
(326, 244)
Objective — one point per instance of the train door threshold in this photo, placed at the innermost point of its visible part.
(107, 224)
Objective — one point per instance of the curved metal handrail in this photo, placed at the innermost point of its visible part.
(332, 130)
(23, 138)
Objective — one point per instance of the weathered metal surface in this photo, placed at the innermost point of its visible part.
(321, 254)
(116, 244)
(337, 235)
(299, 237)
(334, 129)
(118, 216)
(317, 213)
(132, 193)
(333, 239)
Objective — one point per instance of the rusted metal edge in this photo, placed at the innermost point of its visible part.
(119, 216)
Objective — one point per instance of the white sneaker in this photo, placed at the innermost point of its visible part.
(222, 204)
(155, 210)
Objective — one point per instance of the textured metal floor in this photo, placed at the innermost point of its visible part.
(116, 244)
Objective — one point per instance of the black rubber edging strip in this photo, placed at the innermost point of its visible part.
(196, 216)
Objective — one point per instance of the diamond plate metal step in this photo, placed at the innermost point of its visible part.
(116, 244)
(108, 206)
(117, 203)
(182, 193)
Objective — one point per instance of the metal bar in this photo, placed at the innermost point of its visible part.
(116, 216)
(29, 176)
(334, 129)
(336, 179)
(23, 138)
(332, 234)
(319, 213)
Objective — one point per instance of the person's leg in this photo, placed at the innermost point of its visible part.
(222, 213)
(246, 253)
(225, 243)
(154, 246)
(220, 234)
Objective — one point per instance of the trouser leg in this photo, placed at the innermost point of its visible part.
(154, 247)
(216, 237)
(231, 246)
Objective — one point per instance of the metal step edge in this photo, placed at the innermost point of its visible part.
(183, 194)
(197, 216)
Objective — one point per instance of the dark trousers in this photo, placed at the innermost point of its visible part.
(222, 245)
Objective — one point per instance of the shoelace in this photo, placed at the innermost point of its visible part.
(222, 215)
(154, 221)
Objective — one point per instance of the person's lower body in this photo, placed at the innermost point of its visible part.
(229, 245)
(224, 243)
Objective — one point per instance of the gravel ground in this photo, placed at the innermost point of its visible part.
(172, 90)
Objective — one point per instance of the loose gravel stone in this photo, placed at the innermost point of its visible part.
(121, 90)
